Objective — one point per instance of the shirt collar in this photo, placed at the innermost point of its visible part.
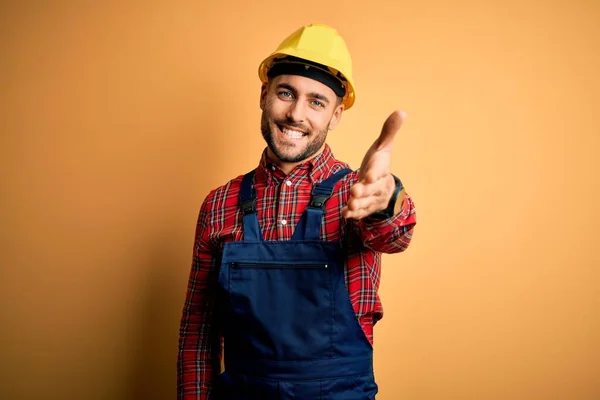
(315, 169)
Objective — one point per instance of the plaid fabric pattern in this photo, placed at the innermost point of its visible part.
(281, 200)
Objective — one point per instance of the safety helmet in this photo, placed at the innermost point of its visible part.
(320, 44)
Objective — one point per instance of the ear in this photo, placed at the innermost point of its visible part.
(336, 117)
(264, 89)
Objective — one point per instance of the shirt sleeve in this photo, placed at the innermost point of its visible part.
(390, 235)
(199, 356)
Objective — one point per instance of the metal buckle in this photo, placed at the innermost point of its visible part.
(249, 207)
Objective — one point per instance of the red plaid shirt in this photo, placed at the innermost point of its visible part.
(281, 200)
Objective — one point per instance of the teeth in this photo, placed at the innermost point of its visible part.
(293, 134)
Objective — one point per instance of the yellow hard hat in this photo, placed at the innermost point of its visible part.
(321, 44)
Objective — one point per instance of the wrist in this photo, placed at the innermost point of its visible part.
(394, 204)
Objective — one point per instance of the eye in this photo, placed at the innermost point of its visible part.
(318, 103)
(285, 93)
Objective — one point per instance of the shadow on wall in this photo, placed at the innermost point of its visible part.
(167, 256)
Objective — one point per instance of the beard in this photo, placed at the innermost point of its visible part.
(287, 152)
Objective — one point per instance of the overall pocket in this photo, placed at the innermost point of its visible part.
(281, 311)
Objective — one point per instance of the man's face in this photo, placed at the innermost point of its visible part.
(297, 114)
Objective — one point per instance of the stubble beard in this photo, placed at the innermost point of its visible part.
(311, 149)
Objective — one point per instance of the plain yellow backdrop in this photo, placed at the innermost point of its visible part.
(119, 117)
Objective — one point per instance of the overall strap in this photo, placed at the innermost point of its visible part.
(247, 202)
(309, 226)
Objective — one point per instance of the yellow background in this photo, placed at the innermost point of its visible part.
(118, 118)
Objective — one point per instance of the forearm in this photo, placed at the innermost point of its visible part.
(199, 351)
(199, 356)
(392, 234)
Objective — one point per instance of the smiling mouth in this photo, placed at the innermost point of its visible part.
(291, 133)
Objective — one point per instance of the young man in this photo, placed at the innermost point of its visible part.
(286, 260)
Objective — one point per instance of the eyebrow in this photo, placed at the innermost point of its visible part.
(292, 89)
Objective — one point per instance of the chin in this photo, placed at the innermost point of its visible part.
(286, 157)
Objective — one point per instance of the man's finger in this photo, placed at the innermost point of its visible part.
(371, 176)
(390, 128)
(367, 203)
(374, 169)
(360, 189)
(358, 213)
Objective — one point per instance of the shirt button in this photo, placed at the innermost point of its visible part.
(289, 183)
(283, 222)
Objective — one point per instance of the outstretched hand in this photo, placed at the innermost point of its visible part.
(375, 185)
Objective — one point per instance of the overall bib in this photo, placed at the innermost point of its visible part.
(289, 328)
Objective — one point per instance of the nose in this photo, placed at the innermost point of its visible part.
(296, 111)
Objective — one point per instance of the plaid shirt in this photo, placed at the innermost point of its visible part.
(281, 200)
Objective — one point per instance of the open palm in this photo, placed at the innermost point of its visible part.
(376, 184)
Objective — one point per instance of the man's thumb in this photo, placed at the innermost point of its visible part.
(391, 126)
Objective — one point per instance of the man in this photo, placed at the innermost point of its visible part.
(286, 260)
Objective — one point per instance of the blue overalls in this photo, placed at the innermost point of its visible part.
(289, 328)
